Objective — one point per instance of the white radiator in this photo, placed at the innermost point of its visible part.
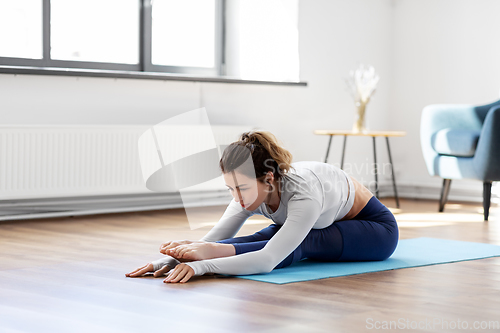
(76, 160)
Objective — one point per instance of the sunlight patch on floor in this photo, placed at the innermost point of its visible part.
(478, 210)
(439, 218)
(250, 221)
(395, 210)
(258, 221)
(410, 220)
(420, 224)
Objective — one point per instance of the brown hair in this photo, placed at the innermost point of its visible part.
(266, 152)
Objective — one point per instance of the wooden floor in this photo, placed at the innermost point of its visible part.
(67, 275)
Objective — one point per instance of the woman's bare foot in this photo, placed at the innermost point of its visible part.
(201, 251)
(185, 260)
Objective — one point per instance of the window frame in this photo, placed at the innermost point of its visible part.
(145, 62)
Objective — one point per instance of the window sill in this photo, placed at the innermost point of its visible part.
(23, 70)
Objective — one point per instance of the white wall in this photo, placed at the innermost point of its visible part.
(444, 51)
(330, 45)
(425, 51)
(334, 37)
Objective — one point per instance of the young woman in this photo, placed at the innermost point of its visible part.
(319, 213)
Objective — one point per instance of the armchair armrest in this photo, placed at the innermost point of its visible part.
(455, 116)
(440, 116)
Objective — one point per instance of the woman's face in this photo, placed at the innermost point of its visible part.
(249, 192)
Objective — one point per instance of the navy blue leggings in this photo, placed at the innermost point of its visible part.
(371, 235)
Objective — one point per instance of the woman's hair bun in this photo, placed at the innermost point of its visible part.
(267, 154)
(249, 137)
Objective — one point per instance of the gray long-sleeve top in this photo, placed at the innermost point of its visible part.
(313, 196)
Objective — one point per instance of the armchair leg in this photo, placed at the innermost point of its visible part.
(444, 194)
(486, 199)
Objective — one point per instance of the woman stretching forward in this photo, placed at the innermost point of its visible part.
(319, 213)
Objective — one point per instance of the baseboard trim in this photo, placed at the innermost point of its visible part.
(91, 205)
(25, 209)
(458, 192)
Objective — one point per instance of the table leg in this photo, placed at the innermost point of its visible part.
(343, 153)
(392, 172)
(375, 167)
(328, 149)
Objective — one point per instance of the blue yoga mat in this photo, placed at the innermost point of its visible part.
(413, 252)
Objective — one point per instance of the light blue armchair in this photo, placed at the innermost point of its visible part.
(462, 142)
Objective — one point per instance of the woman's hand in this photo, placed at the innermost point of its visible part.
(148, 268)
(171, 244)
(181, 273)
(159, 267)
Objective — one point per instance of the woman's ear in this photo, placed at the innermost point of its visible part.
(269, 177)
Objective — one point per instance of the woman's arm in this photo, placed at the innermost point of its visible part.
(229, 224)
(227, 227)
(302, 214)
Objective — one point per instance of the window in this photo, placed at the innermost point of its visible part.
(79, 32)
(132, 35)
(21, 29)
(194, 47)
(267, 38)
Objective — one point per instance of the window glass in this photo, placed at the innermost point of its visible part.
(95, 30)
(21, 33)
(263, 40)
(183, 33)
